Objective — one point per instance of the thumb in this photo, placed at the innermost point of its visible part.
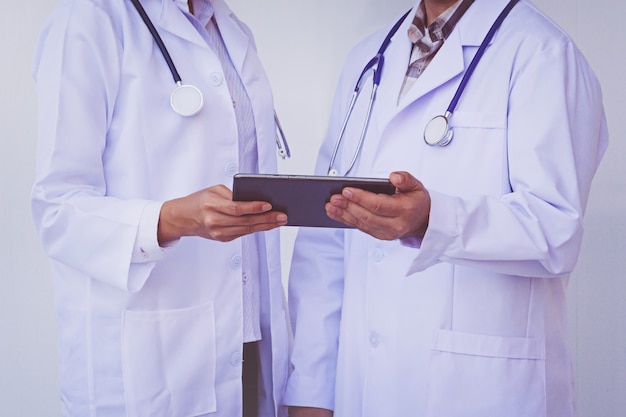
(405, 182)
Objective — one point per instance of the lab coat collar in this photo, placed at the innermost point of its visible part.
(235, 39)
(474, 25)
(173, 20)
(447, 64)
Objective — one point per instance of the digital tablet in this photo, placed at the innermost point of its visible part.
(302, 197)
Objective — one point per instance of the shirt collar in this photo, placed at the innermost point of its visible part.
(441, 27)
(202, 10)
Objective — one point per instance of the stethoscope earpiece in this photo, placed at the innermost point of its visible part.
(438, 131)
(186, 100)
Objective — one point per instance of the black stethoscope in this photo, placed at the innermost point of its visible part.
(187, 100)
(438, 131)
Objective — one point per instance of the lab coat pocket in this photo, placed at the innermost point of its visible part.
(476, 157)
(479, 376)
(169, 362)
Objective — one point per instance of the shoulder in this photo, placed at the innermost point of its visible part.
(533, 30)
(86, 9)
(96, 17)
(76, 27)
(366, 49)
(83, 16)
(528, 40)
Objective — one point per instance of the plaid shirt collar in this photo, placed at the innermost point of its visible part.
(439, 29)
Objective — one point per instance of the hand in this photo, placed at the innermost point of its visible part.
(211, 213)
(309, 412)
(402, 215)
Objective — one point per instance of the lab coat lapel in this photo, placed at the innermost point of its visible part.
(173, 20)
(241, 50)
(236, 40)
(396, 61)
(448, 63)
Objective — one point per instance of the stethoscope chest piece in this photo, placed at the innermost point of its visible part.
(186, 100)
(438, 131)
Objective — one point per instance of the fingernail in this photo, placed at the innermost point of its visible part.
(281, 218)
(266, 207)
(347, 193)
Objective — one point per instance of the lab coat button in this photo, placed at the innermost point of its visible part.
(230, 169)
(374, 339)
(216, 79)
(235, 262)
(235, 359)
(378, 255)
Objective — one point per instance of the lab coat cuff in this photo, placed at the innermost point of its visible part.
(441, 233)
(309, 392)
(147, 248)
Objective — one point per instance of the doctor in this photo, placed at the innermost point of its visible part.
(449, 300)
(157, 288)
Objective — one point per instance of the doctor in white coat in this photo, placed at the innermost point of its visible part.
(148, 270)
(450, 299)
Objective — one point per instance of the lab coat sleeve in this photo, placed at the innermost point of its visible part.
(147, 246)
(77, 67)
(315, 296)
(556, 136)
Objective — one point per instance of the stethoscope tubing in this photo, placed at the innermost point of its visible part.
(376, 65)
(479, 54)
(158, 40)
(283, 148)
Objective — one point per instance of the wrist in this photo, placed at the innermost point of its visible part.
(168, 230)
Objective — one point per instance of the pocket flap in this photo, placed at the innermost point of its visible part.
(492, 346)
(478, 120)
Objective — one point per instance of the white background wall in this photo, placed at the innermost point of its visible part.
(303, 44)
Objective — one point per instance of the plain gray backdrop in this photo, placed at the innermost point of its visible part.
(303, 45)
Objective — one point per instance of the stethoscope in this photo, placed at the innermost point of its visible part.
(187, 100)
(438, 131)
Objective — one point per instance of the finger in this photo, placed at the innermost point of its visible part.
(244, 208)
(222, 190)
(405, 182)
(339, 214)
(378, 204)
(251, 219)
(222, 198)
(339, 201)
(380, 228)
(227, 233)
(358, 217)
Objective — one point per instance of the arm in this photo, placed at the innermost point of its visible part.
(315, 298)
(555, 143)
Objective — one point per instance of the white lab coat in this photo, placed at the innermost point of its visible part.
(471, 321)
(160, 337)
